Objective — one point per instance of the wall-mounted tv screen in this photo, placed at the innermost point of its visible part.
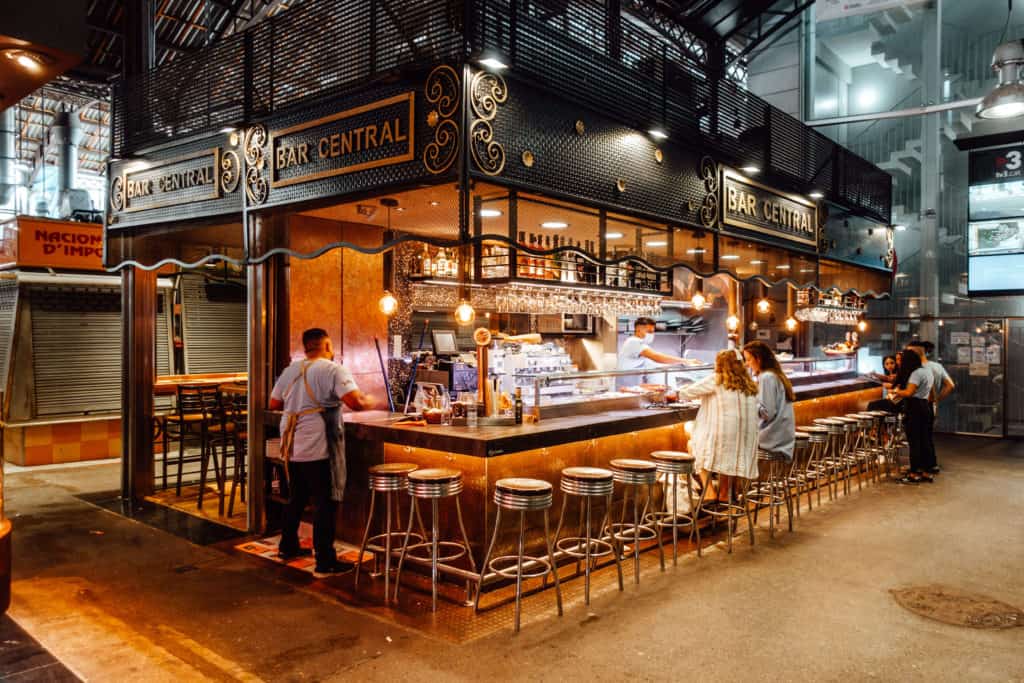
(995, 234)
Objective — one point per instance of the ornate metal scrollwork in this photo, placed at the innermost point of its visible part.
(709, 206)
(117, 193)
(442, 91)
(487, 92)
(230, 172)
(257, 189)
(890, 249)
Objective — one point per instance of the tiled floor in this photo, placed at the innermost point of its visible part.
(23, 659)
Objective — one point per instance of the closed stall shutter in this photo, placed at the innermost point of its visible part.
(8, 311)
(214, 331)
(76, 347)
(163, 350)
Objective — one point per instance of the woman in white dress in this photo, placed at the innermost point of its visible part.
(724, 438)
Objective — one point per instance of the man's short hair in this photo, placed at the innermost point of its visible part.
(313, 338)
(643, 320)
(925, 346)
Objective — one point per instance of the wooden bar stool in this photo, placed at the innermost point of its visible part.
(634, 475)
(523, 496)
(194, 409)
(434, 484)
(388, 479)
(585, 484)
(675, 464)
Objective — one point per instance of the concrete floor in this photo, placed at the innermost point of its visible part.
(117, 600)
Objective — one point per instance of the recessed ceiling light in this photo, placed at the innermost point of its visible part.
(899, 227)
(807, 270)
(658, 133)
(697, 250)
(613, 235)
(815, 194)
(490, 213)
(757, 262)
(867, 97)
(554, 225)
(493, 63)
(750, 169)
(400, 209)
(657, 243)
(730, 257)
(783, 266)
(435, 203)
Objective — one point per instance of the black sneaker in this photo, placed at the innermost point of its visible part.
(331, 569)
(294, 554)
(935, 470)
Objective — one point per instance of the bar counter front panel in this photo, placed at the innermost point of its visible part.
(489, 453)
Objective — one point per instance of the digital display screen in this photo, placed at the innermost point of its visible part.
(445, 343)
(995, 233)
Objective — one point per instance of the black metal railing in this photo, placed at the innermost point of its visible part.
(616, 65)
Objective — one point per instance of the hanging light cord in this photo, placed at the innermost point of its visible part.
(1006, 26)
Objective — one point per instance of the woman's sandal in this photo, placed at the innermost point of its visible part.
(909, 478)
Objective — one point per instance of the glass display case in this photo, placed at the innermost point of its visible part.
(804, 371)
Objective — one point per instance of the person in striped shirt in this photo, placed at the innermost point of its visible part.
(724, 439)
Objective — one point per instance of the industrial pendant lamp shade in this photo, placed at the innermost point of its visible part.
(1007, 99)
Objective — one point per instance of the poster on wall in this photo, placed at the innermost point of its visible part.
(963, 355)
(994, 355)
(960, 338)
(978, 370)
(978, 355)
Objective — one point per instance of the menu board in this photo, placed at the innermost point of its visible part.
(995, 234)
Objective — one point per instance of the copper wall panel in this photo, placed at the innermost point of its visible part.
(314, 285)
(362, 286)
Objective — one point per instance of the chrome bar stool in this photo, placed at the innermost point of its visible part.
(731, 510)
(586, 484)
(893, 431)
(433, 484)
(799, 476)
(388, 479)
(634, 474)
(851, 429)
(771, 489)
(522, 496)
(867, 452)
(833, 455)
(817, 470)
(673, 465)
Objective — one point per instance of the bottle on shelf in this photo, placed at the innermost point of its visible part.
(521, 262)
(441, 264)
(426, 263)
(549, 261)
(519, 406)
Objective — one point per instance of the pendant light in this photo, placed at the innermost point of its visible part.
(764, 305)
(388, 304)
(1006, 100)
(698, 299)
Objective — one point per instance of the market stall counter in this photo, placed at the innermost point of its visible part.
(487, 453)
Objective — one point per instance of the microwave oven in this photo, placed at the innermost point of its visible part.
(566, 323)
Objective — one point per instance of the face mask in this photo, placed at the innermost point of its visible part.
(649, 338)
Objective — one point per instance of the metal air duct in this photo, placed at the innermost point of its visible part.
(8, 162)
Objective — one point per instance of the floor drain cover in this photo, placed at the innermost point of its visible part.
(951, 606)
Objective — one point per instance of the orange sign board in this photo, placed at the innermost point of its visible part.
(45, 243)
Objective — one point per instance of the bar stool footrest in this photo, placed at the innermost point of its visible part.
(376, 543)
(458, 550)
(512, 571)
(577, 547)
(623, 531)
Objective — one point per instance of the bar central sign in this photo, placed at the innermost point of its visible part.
(372, 135)
(753, 206)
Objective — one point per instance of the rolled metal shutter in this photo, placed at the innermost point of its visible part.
(76, 346)
(214, 332)
(163, 346)
(8, 314)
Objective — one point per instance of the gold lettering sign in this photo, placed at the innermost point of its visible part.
(181, 180)
(754, 206)
(376, 134)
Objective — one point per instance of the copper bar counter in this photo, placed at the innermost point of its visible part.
(486, 454)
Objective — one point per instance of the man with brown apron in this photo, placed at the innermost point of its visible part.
(310, 392)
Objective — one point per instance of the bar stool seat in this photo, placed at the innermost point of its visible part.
(675, 464)
(633, 474)
(522, 495)
(388, 479)
(586, 484)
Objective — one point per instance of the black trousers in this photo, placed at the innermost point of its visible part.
(310, 480)
(884, 404)
(918, 426)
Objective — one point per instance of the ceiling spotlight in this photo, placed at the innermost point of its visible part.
(464, 313)
(791, 323)
(816, 194)
(782, 266)
(658, 133)
(554, 225)
(613, 235)
(436, 203)
(27, 59)
(657, 243)
(1006, 100)
(490, 213)
(697, 250)
(493, 63)
(757, 262)
(729, 257)
(764, 306)
(750, 169)
(388, 304)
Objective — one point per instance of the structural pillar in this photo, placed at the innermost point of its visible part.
(931, 178)
(138, 375)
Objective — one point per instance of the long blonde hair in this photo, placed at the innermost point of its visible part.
(730, 373)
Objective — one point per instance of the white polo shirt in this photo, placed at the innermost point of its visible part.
(328, 381)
